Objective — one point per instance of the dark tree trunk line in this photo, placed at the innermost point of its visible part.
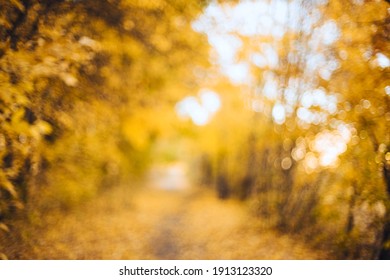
(384, 254)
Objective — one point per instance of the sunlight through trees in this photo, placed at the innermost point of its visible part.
(281, 104)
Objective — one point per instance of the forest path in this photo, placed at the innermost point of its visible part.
(160, 223)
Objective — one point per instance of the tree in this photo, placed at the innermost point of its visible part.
(317, 89)
(76, 80)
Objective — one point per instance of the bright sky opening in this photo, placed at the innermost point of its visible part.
(201, 108)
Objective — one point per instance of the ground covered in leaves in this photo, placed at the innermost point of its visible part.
(155, 223)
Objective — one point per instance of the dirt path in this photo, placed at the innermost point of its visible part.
(160, 223)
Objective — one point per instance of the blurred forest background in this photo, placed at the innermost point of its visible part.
(281, 106)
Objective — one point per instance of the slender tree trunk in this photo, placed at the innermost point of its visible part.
(223, 189)
(384, 254)
(350, 250)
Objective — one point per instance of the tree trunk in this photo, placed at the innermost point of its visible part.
(384, 254)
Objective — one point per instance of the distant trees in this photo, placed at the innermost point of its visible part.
(362, 80)
(310, 144)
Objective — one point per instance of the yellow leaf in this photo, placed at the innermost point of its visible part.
(4, 227)
(18, 205)
(17, 116)
(3, 256)
(43, 127)
(18, 5)
(7, 185)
